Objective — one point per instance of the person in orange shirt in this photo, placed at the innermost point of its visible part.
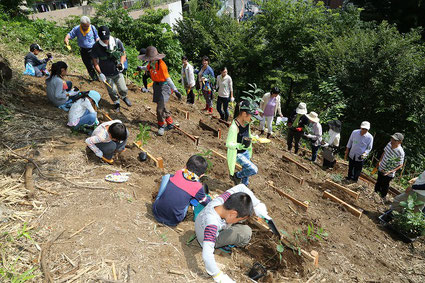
(162, 86)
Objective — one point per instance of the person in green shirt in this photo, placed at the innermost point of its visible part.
(238, 143)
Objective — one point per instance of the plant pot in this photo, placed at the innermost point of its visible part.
(257, 271)
(143, 156)
(386, 222)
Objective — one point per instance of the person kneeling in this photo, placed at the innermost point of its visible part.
(82, 115)
(217, 225)
(179, 190)
(107, 139)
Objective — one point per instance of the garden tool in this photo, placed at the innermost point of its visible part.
(68, 47)
(272, 227)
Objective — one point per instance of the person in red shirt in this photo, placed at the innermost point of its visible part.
(162, 86)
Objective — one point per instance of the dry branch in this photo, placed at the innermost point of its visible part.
(29, 182)
(44, 253)
(91, 222)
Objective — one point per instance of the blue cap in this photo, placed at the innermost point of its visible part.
(95, 96)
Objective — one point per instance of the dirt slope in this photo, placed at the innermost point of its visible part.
(122, 237)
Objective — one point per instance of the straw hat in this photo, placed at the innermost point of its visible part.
(151, 54)
(301, 109)
(312, 116)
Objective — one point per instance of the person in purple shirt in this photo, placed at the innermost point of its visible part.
(358, 148)
(178, 191)
(86, 35)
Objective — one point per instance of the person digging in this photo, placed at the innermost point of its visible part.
(162, 86)
(109, 56)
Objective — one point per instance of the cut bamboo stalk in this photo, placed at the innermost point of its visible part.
(194, 138)
(283, 194)
(225, 158)
(222, 121)
(312, 256)
(158, 161)
(334, 185)
(297, 163)
(204, 126)
(300, 180)
(350, 208)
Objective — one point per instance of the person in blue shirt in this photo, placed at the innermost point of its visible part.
(358, 148)
(177, 191)
(86, 35)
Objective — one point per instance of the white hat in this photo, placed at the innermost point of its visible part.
(365, 125)
(301, 109)
(312, 116)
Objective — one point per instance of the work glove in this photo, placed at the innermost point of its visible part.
(102, 77)
(120, 67)
(223, 278)
(325, 144)
(246, 142)
(109, 161)
(261, 211)
(309, 136)
(299, 129)
(178, 94)
(232, 99)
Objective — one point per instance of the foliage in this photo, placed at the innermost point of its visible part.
(207, 154)
(280, 249)
(144, 134)
(315, 234)
(409, 222)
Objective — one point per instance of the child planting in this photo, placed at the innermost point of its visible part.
(217, 225)
(107, 139)
(58, 90)
(82, 114)
(238, 143)
(178, 190)
(33, 65)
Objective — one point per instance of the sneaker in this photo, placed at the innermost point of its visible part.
(144, 89)
(210, 110)
(117, 107)
(235, 179)
(127, 101)
(227, 249)
(169, 127)
(161, 131)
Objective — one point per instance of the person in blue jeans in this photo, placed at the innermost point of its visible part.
(225, 93)
(82, 115)
(178, 191)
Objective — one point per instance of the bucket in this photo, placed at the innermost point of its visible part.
(257, 271)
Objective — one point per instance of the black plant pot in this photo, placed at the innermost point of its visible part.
(143, 156)
(257, 271)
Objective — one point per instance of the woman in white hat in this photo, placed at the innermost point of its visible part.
(296, 123)
(316, 137)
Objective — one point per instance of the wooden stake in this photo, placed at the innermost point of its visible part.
(334, 185)
(297, 163)
(184, 112)
(159, 162)
(300, 180)
(350, 208)
(283, 194)
(204, 126)
(194, 138)
(225, 158)
(222, 121)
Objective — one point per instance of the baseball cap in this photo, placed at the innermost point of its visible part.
(398, 137)
(104, 33)
(365, 125)
(250, 107)
(35, 46)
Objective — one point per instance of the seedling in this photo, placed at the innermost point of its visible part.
(280, 249)
(319, 234)
(144, 134)
(408, 222)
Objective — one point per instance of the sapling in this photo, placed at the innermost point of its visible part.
(408, 221)
(144, 134)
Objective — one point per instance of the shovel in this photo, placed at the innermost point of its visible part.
(272, 227)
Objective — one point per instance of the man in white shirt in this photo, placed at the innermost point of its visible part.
(358, 148)
(225, 93)
(188, 80)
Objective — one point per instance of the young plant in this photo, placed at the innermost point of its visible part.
(207, 154)
(408, 222)
(280, 249)
(144, 134)
(319, 234)
(337, 178)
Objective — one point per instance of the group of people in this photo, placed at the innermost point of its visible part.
(217, 221)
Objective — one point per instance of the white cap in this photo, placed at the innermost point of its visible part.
(301, 109)
(365, 125)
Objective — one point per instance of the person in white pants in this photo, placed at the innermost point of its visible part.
(270, 107)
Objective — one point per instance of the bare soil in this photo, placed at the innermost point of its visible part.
(123, 242)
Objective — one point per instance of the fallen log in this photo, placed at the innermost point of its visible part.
(225, 158)
(296, 162)
(158, 161)
(204, 126)
(350, 208)
(304, 206)
(334, 185)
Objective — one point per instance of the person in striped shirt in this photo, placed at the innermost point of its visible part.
(391, 160)
(217, 225)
